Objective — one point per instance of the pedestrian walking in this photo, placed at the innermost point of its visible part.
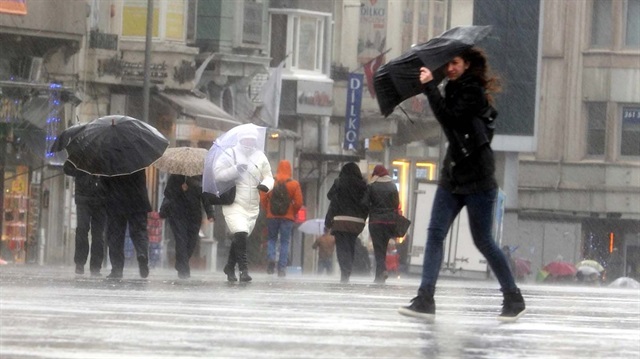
(325, 244)
(467, 178)
(383, 201)
(91, 216)
(281, 205)
(347, 214)
(184, 202)
(127, 204)
(245, 164)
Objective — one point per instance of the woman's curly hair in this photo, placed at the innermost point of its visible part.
(478, 67)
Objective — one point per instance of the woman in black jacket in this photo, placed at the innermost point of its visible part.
(347, 214)
(185, 201)
(467, 178)
(383, 199)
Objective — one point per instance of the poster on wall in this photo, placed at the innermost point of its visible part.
(372, 37)
(15, 7)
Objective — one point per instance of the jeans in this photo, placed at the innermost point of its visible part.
(283, 228)
(480, 208)
(325, 264)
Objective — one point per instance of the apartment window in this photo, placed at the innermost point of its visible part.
(304, 41)
(596, 128)
(630, 139)
(601, 24)
(632, 31)
(168, 19)
(253, 21)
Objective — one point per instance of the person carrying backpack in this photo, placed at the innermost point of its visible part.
(281, 205)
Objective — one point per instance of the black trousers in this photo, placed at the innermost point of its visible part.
(345, 250)
(238, 252)
(380, 234)
(117, 226)
(90, 217)
(185, 233)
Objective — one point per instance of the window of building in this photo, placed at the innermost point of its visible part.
(168, 19)
(632, 31)
(630, 139)
(596, 128)
(601, 24)
(252, 22)
(305, 39)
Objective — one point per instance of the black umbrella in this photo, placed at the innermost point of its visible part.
(115, 145)
(399, 80)
(66, 136)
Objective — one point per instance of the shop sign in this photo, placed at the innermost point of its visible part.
(14, 7)
(315, 98)
(352, 115)
(631, 115)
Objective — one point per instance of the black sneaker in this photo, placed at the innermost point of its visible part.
(79, 269)
(230, 271)
(422, 306)
(245, 277)
(512, 307)
(271, 267)
(143, 265)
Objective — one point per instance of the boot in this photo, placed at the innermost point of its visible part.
(422, 306)
(230, 271)
(143, 266)
(512, 306)
(240, 243)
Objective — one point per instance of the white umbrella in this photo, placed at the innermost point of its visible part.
(313, 226)
(625, 282)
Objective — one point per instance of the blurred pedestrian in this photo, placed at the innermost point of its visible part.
(184, 203)
(347, 214)
(325, 244)
(127, 204)
(383, 202)
(90, 215)
(245, 164)
(467, 178)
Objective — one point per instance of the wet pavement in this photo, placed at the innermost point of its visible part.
(49, 312)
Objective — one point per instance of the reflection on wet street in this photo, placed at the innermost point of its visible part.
(47, 312)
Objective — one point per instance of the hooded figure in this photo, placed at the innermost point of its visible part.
(249, 168)
(382, 197)
(281, 224)
(347, 214)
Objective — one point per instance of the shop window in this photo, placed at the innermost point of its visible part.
(601, 24)
(630, 139)
(168, 19)
(596, 128)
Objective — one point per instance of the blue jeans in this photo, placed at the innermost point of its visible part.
(282, 227)
(480, 208)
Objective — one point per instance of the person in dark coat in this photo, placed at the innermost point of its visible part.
(347, 214)
(383, 199)
(185, 201)
(127, 204)
(467, 178)
(91, 215)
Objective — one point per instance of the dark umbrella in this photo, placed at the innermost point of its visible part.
(115, 145)
(399, 80)
(66, 136)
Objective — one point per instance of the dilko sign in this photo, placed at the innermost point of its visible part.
(354, 102)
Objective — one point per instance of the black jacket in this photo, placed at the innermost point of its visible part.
(469, 164)
(347, 196)
(89, 188)
(127, 194)
(383, 199)
(187, 204)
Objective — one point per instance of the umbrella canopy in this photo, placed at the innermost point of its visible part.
(590, 263)
(66, 136)
(587, 271)
(187, 161)
(313, 226)
(399, 80)
(560, 269)
(221, 154)
(625, 282)
(115, 145)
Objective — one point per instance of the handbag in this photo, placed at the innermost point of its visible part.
(225, 198)
(401, 226)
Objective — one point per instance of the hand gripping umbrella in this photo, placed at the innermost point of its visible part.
(115, 145)
(399, 80)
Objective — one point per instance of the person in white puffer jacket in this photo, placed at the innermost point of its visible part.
(250, 169)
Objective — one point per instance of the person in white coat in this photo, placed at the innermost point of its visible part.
(251, 171)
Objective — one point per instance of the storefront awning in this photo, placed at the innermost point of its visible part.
(205, 112)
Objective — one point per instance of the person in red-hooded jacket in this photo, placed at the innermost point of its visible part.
(281, 224)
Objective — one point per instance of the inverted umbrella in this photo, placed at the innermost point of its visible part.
(313, 226)
(116, 145)
(399, 80)
(560, 269)
(226, 152)
(187, 161)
